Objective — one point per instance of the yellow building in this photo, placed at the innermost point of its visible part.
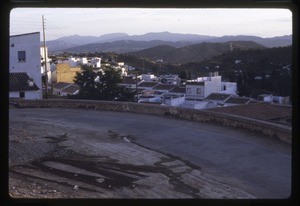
(65, 73)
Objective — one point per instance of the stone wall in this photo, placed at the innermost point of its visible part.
(280, 132)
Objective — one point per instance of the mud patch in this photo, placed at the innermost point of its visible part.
(57, 139)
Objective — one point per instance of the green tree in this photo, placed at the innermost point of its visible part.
(102, 85)
(86, 81)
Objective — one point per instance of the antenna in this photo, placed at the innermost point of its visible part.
(45, 58)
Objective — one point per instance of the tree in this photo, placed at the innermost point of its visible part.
(102, 85)
(86, 81)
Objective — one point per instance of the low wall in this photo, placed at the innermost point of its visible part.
(269, 129)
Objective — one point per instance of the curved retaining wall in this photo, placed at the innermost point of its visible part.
(269, 129)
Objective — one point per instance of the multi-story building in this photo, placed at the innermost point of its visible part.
(65, 73)
(202, 87)
(25, 66)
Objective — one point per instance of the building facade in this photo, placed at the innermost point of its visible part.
(25, 57)
(202, 87)
(65, 73)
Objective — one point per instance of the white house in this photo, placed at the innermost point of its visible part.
(173, 100)
(265, 97)
(72, 61)
(170, 79)
(25, 57)
(83, 60)
(202, 87)
(95, 62)
(148, 77)
(228, 87)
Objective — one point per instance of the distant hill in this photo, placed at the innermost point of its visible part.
(267, 42)
(186, 39)
(123, 46)
(193, 53)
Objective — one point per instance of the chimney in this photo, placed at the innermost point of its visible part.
(30, 83)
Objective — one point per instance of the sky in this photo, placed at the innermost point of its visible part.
(60, 22)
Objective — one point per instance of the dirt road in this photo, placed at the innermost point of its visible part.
(64, 153)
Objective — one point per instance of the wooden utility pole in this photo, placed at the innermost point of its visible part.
(45, 59)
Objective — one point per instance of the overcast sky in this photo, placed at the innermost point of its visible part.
(95, 22)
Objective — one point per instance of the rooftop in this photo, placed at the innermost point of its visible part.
(19, 81)
(218, 97)
(25, 34)
(61, 85)
(71, 89)
(261, 111)
(129, 81)
(164, 87)
(147, 84)
(195, 83)
(177, 89)
(237, 100)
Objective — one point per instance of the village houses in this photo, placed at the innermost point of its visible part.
(25, 79)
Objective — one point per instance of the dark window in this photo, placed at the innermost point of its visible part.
(12, 45)
(21, 56)
(198, 90)
(22, 94)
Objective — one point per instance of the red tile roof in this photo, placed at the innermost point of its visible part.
(261, 111)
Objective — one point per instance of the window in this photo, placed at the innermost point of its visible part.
(198, 91)
(12, 45)
(22, 94)
(188, 90)
(21, 56)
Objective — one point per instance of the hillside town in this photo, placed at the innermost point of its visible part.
(175, 114)
(200, 93)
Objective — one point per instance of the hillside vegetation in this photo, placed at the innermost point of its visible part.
(194, 53)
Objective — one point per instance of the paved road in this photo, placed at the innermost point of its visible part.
(257, 164)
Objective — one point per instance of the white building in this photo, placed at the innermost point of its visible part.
(95, 62)
(228, 87)
(148, 77)
(173, 100)
(170, 79)
(83, 60)
(265, 97)
(25, 57)
(72, 61)
(43, 67)
(202, 87)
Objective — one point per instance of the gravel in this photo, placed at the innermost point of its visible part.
(24, 147)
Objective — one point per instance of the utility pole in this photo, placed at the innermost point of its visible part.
(45, 58)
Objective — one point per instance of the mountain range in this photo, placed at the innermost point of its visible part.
(195, 52)
(121, 42)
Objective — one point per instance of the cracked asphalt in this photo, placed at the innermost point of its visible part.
(99, 154)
